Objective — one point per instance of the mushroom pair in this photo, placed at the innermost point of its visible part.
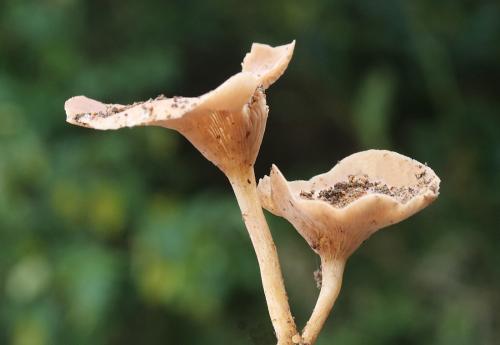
(227, 126)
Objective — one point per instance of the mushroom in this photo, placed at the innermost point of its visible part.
(226, 125)
(337, 211)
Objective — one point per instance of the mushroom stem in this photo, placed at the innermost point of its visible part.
(332, 269)
(245, 189)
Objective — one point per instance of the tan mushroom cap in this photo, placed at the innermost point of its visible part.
(262, 66)
(345, 228)
(225, 124)
(161, 111)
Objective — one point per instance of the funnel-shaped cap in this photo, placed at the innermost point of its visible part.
(363, 193)
(226, 124)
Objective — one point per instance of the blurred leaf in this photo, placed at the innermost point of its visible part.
(28, 279)
(88, 275)
(30, 332)
(373, 108)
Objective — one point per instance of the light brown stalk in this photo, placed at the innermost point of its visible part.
(332, 270)
(245, 189)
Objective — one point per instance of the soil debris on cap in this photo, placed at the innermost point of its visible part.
(112, 109)
(344, 192)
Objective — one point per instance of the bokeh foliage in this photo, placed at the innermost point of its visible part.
(131, 237)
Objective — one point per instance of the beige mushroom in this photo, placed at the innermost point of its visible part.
(226, 125)
(336, 211)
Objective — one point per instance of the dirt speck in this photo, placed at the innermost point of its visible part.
(318, 278)
(307, 195)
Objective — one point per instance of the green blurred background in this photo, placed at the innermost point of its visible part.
(131, 237)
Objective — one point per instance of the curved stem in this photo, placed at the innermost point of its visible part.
(245, 189)
(332, 270)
